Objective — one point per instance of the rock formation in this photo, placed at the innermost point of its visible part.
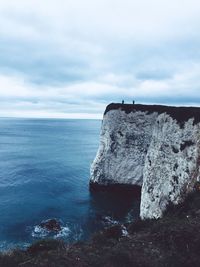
(155, 147)
(52, 225)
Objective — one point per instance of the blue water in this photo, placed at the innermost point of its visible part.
(44, 173)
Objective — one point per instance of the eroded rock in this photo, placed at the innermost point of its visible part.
(51, 225)
(155, 147)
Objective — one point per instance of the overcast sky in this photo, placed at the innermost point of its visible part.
(70, 58)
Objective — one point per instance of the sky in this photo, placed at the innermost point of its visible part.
(70, 58)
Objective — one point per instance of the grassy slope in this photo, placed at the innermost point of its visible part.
(171, 241)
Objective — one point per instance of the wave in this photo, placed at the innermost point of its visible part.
(68, 231)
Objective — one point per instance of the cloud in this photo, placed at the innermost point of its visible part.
(71, 58)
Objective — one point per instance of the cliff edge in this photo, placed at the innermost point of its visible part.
(153, 147)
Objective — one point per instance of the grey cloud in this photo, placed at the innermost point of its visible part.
(149, 55)
(39, 64)
(155, 74)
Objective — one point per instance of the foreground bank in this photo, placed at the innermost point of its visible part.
(171, 241)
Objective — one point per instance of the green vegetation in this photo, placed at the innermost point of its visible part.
(171, 241)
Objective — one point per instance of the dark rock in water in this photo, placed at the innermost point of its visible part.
(51, 225)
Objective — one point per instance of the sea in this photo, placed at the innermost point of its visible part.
(44, 174)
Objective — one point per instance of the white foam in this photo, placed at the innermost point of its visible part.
(77, 232)
(6, 246)
(124, 231)
(64, 232)
(109, 220)
(39, 232)
(69, 232)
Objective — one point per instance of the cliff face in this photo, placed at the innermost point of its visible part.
(155, 147)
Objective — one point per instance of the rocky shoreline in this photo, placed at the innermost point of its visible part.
(149, 151)
(171, 241)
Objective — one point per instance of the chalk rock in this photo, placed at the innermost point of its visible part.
(155, 147)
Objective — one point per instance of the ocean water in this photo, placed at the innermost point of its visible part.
(44, 173)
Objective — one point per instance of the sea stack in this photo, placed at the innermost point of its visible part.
(153, 147)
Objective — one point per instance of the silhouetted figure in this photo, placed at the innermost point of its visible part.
(122, 101)
(133, 102)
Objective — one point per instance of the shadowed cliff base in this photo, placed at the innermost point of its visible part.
(121, 189)
(181, 114)
(171, 241)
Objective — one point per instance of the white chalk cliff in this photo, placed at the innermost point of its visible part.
(155, 147)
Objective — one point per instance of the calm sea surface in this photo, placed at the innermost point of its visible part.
(44, 173)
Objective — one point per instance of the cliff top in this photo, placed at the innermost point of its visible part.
(181, 114)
